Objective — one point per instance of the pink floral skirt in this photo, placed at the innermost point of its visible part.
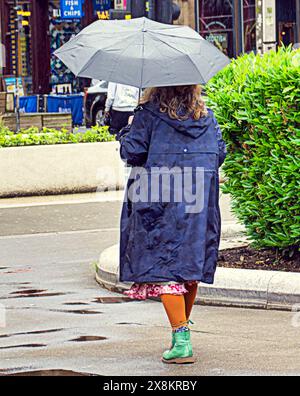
(149, 290)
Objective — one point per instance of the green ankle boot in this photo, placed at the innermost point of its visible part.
(190, 322)
(182, 351)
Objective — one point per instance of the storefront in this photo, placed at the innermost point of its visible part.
(236, 26)
(51, 23)
(217, 23)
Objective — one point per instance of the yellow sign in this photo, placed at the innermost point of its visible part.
(24, 13)
(103, 15)
(25, 23)
(128, 17)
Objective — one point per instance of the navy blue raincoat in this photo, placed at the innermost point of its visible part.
(162, 241)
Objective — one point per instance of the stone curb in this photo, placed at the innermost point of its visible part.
(232, 288)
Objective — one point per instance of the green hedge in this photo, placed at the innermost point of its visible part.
(33, 136)
(256, 100)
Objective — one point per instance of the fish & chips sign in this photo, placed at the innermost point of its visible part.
(71, 9)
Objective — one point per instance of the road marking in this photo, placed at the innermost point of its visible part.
(44, 234)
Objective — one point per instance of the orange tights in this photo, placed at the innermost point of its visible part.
(179, 308)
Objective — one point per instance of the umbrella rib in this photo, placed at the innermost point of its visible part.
(143, 59)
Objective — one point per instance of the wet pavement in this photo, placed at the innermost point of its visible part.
(59, 322)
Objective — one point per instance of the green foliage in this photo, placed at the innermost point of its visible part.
(47, 136)
(257, 103)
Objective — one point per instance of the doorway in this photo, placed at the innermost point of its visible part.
(286, 22)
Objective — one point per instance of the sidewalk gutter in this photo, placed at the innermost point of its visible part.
(233, 287)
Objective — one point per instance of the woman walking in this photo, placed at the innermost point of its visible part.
(167, 245)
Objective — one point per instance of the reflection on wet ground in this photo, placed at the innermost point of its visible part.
(24, 346)
(77, 311)
(33, 295)
(112, 300)
(29, 292)
(67, 317)
(89, 339)
(31, 332)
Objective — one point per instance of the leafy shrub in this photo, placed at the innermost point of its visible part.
(47, 136)
(256, 100)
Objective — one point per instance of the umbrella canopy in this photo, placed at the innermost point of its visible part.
(142, 53)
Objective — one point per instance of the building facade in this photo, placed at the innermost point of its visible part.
(31, 53)
(237, 26)
(234, 26)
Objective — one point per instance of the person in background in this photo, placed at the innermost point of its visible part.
(120, 105)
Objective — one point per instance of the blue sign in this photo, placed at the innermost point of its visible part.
(71, 9)
(101, 5)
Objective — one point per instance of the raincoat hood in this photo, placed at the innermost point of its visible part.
(189, 127)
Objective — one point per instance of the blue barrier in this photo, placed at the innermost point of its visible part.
(29, 104)
(67, 104)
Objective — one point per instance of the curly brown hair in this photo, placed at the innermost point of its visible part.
(180, 102)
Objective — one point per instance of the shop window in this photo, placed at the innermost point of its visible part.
(120, 4)
(249, 25)
(101, 8)
(20, 45)
(61, 31)
(216, 23)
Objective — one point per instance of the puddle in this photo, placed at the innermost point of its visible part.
(19, 271)
(77, 311)
(76, 303)
(31, 332)
(89, 339)
(43, 331)
(111, 300)
(24, 346)
(33, 295)
(48, 373)
(32, 291)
